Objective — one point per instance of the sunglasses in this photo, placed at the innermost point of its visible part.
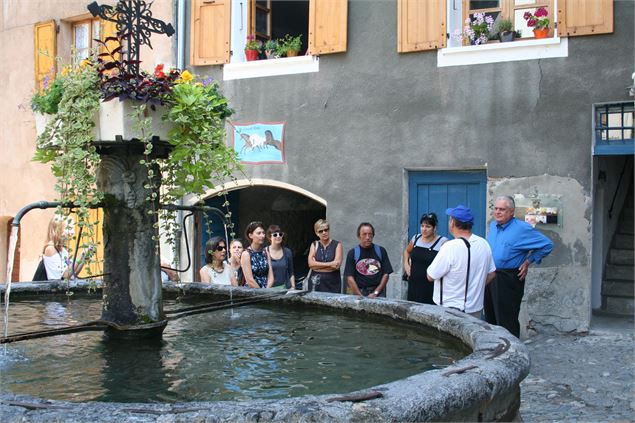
(277, 234)
(321, 231)
(221, 248)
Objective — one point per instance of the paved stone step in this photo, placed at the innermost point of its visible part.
(623, 241)
(619, 272)
(619, 256)
(618, 305)
(618, 288)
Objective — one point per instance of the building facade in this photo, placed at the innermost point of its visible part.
(387, 117)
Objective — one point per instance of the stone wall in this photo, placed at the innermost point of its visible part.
(370, 115)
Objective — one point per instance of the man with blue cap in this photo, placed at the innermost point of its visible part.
(463, 266)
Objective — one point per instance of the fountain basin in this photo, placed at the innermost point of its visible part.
(483, 386)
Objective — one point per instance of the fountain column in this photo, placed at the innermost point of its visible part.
(132, 282)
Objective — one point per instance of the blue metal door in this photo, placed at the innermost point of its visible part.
(436, 191)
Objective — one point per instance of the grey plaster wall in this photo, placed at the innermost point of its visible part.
(369, 115)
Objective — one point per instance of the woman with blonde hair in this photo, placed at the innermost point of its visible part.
(235, 251)
(55, 255)
(325, 259)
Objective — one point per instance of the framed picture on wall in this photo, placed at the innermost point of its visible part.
(259, 142)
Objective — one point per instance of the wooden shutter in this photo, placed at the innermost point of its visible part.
(95, 219)
(328, 23)
(211, 24)
(421, 25)
(585, 17)
(45, 50)
(109, 29)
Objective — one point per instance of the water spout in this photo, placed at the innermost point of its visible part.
(13, 241)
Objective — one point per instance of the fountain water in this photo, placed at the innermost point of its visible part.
(13, 241)
(482, 386)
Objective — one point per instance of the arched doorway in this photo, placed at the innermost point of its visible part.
(294, 209)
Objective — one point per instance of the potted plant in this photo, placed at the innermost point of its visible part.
(476, 30)
(289, 46)
(193, 112)
(271, 47)
(252, 48)
(504, 27)
(539, 21)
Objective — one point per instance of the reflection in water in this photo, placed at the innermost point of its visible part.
(267, 352)
(136, 364)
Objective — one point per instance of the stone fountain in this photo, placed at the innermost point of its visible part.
(483, 386)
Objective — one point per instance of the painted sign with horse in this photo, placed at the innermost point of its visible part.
(259, 142)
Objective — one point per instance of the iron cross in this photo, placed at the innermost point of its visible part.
(135, 25)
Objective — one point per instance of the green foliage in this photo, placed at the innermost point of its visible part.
(288, 43)
(199, 155)
(503, 25)
(271, 45)
(47, 100)
(66, 145)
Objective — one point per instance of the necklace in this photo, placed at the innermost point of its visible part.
(217, 272)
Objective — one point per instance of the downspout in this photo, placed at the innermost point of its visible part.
(180, 64)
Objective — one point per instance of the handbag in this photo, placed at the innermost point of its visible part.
(40, 272)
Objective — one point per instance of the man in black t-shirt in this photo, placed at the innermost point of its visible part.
(367, 265)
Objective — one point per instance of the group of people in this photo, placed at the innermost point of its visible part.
(478, 276)
(468, 273)
(267, 263)
(475, 275)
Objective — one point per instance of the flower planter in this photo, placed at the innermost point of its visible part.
(251, 55)
(115, 121)
(41, 120)
(292, 53)
(541, 32)
(507, 37)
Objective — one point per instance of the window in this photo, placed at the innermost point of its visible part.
(84, 34)
(219, 29)
(459, 11)
(427, 25)
(614, 133)
(272, 20)
(260, 19)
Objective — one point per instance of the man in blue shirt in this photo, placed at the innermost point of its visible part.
(515, 244)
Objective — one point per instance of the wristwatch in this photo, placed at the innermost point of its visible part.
(376, 292)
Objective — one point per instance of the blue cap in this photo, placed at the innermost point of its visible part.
(461, 213)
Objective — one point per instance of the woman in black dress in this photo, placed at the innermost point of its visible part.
(418, 255)
(325, 259)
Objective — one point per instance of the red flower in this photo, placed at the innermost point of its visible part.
(541, 11)
(158, 71)
(531, 22)
(527, 15)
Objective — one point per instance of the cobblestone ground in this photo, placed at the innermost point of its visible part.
(587, 378)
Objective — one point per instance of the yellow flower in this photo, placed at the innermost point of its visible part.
(186, 76)
(85, 62)
(66, 70)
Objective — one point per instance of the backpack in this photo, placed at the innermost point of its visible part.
(40, 272)
(358, 252)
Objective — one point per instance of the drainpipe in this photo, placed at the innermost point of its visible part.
(180, 34)
(180, 64)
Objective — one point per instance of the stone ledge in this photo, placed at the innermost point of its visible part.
(483, 386)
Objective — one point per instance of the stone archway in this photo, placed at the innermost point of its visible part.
(293, 208)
